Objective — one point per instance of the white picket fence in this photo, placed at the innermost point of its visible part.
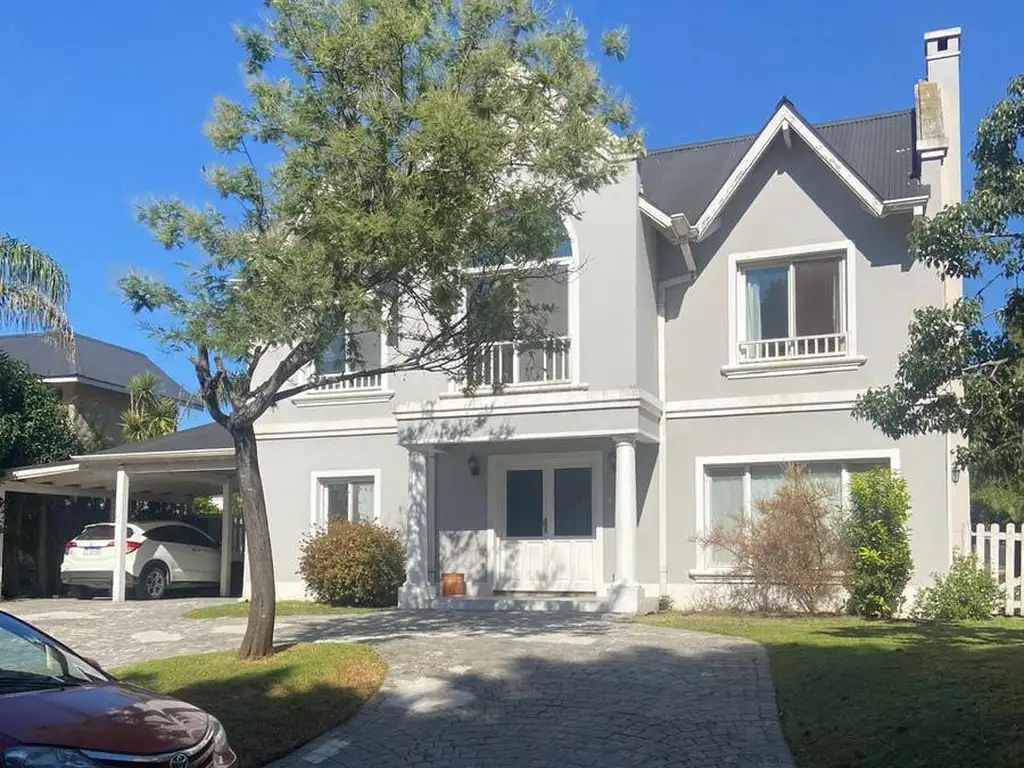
(999, 551)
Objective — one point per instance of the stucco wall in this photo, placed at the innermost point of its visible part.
(791, 199)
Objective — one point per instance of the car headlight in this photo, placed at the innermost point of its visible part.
(45, 757)
(223, 755)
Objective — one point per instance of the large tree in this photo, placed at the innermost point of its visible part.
(33, 291)
(963, 371)
(34, 423)
(407, 140)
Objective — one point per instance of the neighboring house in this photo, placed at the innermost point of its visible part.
(732, 299)
(93, 381)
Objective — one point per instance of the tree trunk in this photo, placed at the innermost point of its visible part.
(259, 633)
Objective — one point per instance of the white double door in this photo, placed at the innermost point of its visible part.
(546, 511)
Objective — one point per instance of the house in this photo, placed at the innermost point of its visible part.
(725, 304)
(93, 381)
(728, 301)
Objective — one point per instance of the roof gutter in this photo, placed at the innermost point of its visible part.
(676, 228)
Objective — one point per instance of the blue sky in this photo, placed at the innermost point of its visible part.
(104, 102)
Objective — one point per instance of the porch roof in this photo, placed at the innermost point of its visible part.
(192, 462)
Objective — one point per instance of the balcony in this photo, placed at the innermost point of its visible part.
(797, 347)
(510, 363)
(355, 384)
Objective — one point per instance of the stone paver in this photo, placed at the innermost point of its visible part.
(493, 689)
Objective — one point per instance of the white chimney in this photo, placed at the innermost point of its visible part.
(942, 63)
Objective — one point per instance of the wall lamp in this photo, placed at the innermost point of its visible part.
(474, 465)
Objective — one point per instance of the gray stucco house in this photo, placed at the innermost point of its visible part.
(733, 297)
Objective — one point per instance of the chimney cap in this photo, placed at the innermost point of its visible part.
(938, 34)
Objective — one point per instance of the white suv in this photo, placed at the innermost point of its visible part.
(161, 555)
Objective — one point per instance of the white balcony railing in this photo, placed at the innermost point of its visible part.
(346, 385)
(825, 345)
(536, 362)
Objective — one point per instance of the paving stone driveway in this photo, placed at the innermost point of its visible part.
(493, 689)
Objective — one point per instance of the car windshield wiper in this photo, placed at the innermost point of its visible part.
(29, 681)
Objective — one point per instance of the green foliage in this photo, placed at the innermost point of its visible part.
(353, 564)
(203, 505)
(966, 592)
(881, 563)
(963, 370)
(150, 413)
(33, 292)
(408, 139)
(34, 423)
(996, 501)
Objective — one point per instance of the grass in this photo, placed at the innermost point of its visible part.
(884, 694)
(284, 608)
(275, 705)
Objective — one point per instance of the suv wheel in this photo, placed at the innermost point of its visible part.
(152, 584)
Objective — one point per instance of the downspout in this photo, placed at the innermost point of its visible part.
(662, 451)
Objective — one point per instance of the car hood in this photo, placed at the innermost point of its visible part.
(110, 717)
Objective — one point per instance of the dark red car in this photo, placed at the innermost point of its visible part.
(59, 710)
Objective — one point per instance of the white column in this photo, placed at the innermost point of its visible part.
(120, 535)
(3, 522)
(626, 596)
(226, 540)
(417, 591)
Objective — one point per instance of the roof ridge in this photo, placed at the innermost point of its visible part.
(742, 137)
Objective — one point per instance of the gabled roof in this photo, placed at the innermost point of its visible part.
(94, 362)
(875, 152)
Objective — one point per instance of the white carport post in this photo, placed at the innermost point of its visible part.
(226, 540)
(120, 535)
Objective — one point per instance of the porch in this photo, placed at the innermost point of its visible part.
(175, 468)
(546, 525)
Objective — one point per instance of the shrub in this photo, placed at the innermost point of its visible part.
(878, 542)
(966, 592)
(665, 603)
(353, 564)
(791, 554)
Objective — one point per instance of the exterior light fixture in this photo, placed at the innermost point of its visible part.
(474, 465)
(956, 473)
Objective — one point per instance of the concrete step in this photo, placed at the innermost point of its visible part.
(586, 604)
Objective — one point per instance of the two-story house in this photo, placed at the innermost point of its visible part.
(727, 302)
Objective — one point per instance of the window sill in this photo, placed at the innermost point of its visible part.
(793, 367)
(313, 398)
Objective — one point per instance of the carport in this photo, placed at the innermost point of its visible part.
(175, 468)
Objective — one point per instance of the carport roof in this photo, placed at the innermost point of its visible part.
(208, 437)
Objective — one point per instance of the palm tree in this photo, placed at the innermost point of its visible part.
(33, 292)
(150, 413)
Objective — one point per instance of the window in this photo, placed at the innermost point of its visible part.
(501, 304)
(346, 498)
(352, 353)
(793, 304)
(196, 538)
(732, 492)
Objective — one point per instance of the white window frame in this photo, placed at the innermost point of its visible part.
(571, 263)
(736, 368)
(355, 395)
(318, 499)
(704, 464)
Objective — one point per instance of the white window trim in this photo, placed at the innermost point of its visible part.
(572, 264)
(383, 393)
(316, 503)
(735, 369)
(700, 483)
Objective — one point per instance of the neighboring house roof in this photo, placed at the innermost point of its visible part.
(208, 437)
(94, 362)
(877, 150)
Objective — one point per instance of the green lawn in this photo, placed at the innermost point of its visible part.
(273, 706)
(889, 694)
(284, 608)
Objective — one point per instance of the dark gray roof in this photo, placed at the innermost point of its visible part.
(203, 438)
(878, 148)
(96, 362)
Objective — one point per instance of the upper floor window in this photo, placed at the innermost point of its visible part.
(351, 353)
(792, 305)
(539, 294)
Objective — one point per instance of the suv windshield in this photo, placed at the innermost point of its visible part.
(30, 661)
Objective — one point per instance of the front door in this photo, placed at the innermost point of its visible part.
(547, 526)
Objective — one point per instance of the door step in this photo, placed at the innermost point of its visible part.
(520, 602)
